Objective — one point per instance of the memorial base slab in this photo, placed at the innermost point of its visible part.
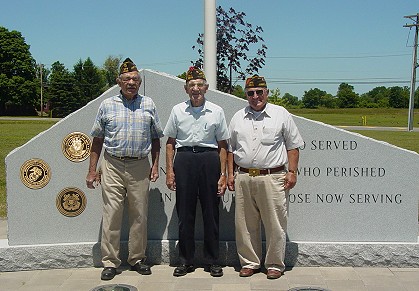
(303, 254)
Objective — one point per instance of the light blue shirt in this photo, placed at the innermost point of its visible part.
(202, 128)
(127, 126)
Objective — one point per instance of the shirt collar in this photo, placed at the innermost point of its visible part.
(125, 100)
(204, 107)
(266, 111)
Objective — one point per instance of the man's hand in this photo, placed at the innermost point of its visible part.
(93, 180)
(230, 183)
(290, 180)
(154, 174)
(170, 181)
(222, 185)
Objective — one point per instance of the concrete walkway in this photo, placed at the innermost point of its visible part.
(318, 278)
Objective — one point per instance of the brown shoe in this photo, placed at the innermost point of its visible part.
(247, 272)
(273, 274)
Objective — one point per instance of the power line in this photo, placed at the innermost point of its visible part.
(337, 57)
(338, 82)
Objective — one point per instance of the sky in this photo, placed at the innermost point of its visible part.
(311, 43)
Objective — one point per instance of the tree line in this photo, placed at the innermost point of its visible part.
(23, 82)
(346, 97)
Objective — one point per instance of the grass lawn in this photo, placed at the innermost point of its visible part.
(403, 139)
(17, 132)
(354, 116)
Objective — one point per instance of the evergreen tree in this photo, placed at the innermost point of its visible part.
(63, 91)
(89, 81)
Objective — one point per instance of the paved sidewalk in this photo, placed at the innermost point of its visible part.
(329, 278)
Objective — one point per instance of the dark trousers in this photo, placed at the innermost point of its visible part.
(197, 176)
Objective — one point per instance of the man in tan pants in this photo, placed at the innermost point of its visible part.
(262, 167)
(128, 128)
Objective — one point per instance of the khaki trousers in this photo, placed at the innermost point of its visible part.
(124, 180)
(261, 199)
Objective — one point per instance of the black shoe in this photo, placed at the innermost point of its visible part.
(108, 273)
(141, 268)
(182, 270)
(216, 271)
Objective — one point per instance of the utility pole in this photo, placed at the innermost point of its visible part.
(41, 66)
(415, 19)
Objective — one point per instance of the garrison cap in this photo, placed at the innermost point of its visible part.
(194, 73)
(127, 66)
(255, 81)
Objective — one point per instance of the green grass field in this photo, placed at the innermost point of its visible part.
(17, 132)
(374, 117)
(14, 134)
(355, 116)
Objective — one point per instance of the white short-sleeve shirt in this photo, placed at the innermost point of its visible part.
(262, 142)
(203, 128)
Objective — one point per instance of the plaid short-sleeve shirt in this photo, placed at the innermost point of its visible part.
(127, 126)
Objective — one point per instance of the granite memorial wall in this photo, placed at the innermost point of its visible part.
(350, 188)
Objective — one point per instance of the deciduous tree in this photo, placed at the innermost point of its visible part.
(111, 69)
(17, 75)
(399, 97)
(346, 96)
(240, 48)
(312, 98)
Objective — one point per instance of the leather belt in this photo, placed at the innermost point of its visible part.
(125, 157)
(196, 149)
(257, 172)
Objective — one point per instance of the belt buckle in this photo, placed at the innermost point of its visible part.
(253, 172)
(194, 150)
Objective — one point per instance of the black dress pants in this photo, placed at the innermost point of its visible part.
(196, 176)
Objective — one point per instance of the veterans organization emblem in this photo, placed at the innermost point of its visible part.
(76, 146)
(35, 173)
(71, 202)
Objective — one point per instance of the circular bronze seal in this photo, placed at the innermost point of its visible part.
(76, 146)
(71, 202)
(35, 173)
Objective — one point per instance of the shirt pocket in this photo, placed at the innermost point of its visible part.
(206, 133)
(268, 136)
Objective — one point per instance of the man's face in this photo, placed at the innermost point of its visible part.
(129, 83)
(196, 90)
(257, 98)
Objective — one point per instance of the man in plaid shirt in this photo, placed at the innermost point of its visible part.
(127, 126)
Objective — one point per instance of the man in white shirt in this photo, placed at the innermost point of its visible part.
(197, 132)
(262, 167)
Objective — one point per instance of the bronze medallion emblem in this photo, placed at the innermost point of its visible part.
(71, 202)
(76, 146)
(35, 173)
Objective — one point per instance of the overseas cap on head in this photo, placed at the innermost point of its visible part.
(255, 82)
(194, 73)
(127, 66)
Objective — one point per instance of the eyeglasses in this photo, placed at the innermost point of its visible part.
(251, 93)
(127, 79)
(200, 85)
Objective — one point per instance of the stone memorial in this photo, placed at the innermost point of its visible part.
(355, 203)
